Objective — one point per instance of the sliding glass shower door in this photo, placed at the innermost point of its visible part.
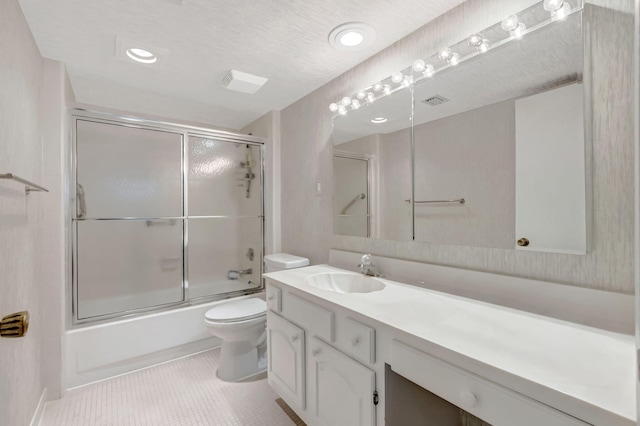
(162, 217)
(225, 216)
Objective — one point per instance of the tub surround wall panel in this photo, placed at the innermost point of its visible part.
(21, 217)
(268, 127)
(608, 265)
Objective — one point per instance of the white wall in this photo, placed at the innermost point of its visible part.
(307, 154)
(56, 96)
(34, 93)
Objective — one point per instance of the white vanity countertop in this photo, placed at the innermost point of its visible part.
(594, 369)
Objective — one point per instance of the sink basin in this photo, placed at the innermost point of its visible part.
(344, 282)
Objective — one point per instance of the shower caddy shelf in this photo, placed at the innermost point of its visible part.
(30, 186)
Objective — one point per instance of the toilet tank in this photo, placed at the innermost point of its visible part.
(281, 261)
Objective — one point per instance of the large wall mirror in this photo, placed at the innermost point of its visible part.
(481, 144)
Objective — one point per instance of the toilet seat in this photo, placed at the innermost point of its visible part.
(237, 310)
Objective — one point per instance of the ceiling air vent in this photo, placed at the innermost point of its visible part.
(435, 100)
(243, 82)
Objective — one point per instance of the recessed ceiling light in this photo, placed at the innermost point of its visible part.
(138, 51)
(351, 39)
(352, 36)
(141, 55)
(379, 120)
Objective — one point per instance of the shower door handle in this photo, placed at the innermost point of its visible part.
(82, 202)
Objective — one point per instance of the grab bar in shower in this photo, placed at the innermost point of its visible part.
(352, 202)
(458, 201)
(30, 186)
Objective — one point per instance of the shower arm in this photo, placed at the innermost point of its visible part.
(352, 202)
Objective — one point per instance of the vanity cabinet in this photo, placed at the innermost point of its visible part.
(342, 388)
(286, 359)
(433, 358)
(480, 397)
(320, 361)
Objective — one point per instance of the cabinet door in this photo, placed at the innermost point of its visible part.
(285, 343)
(551, 186)
(342, 388)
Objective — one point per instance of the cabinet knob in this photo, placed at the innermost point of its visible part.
(469, 400)
(271, 298)
(295, 337)
(355, 341)
(316, 352)
(523, 242)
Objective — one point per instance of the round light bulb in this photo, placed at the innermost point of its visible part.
(407, 81)
(428, 70)
(475, 40)
(445, 54)
(484, 46)
(552, 5)
(355, 104)
(518, 32)
(351, 38)
(377, 87)
(361, 95)
(342, 110)
(397, 77)
(346, 101)
(454, 59)
(510, 23)
(371, 97)
(419, 65)
(387, 89)
(561, 13)
(333, 107)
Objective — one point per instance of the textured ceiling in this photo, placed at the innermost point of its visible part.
(283, 40)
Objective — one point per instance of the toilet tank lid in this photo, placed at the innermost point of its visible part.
(237, 310)
(285, 260)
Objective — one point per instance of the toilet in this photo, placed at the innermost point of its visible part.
(241, 324)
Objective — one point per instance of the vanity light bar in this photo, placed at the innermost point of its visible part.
(512, 27)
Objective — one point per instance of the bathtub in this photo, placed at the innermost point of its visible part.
(101, 351)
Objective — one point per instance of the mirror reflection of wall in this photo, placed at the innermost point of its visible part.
(351, 195)
(380, 132)
(519, 189)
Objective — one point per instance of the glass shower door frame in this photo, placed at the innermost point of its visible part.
(72, 220)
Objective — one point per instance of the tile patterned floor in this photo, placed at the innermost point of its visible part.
(185, 392)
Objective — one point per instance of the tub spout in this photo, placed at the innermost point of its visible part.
(235, 274)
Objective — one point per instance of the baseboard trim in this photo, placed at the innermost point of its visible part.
(37, 415)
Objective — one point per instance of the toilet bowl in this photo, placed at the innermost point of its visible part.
(241, 324)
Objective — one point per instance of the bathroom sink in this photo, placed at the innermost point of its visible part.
(344, 282)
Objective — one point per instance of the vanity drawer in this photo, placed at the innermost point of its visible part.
(357, 340)
(489, 401)
(313, 318)
(274, 298)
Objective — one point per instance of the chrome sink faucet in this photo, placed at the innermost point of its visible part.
(367, 267)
